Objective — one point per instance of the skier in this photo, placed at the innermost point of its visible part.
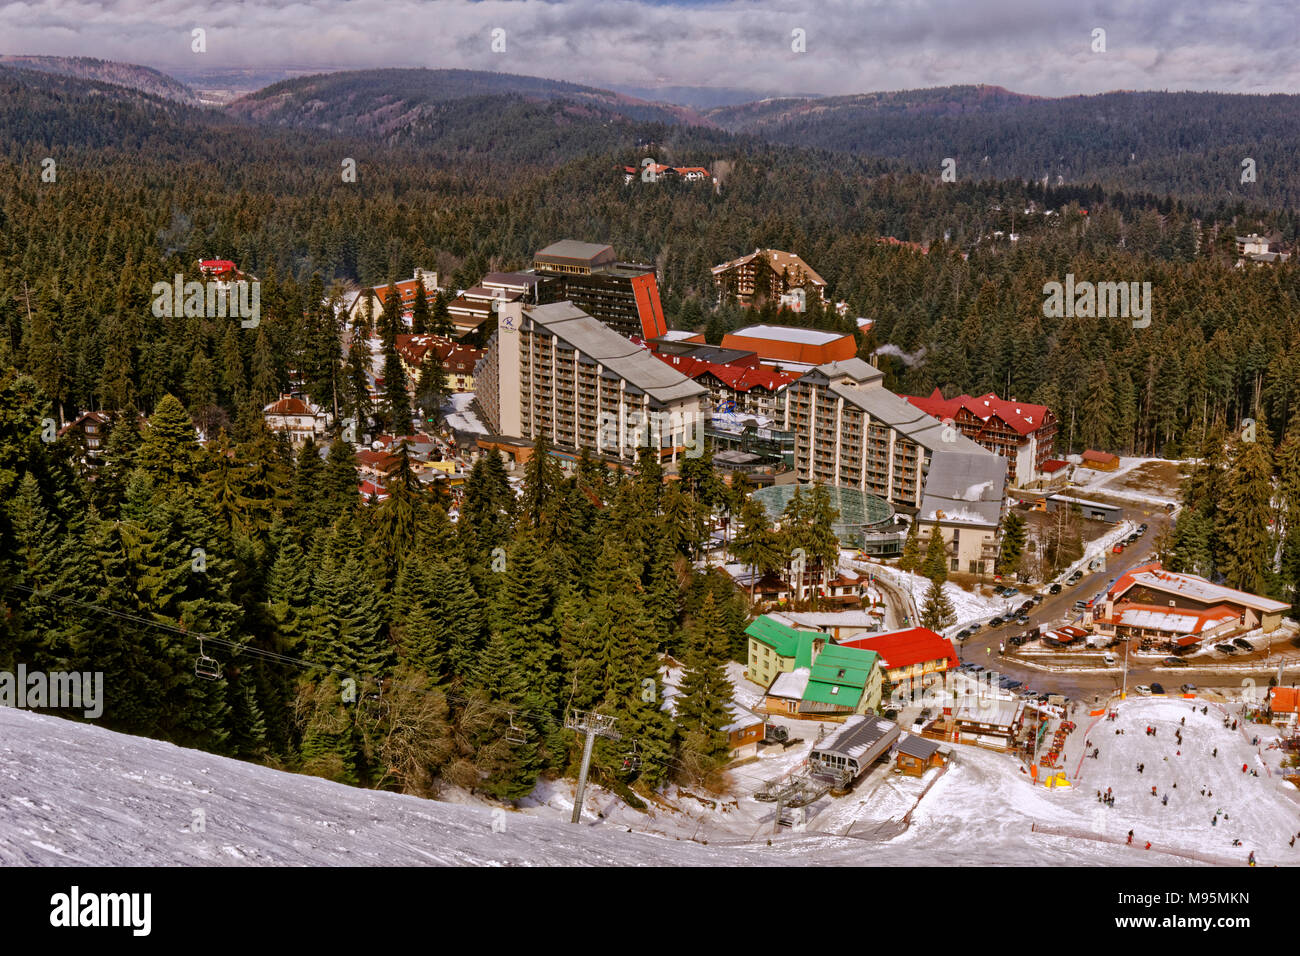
(1216, 752)
(1182, 721)
(1251, 861)
(1234, 725)
(1149, 846)
(1153, 791)
(1099, 796)
(1130, 836)
(1293, 842)
(1214, 822)
(1164, 801)
(1243, 768)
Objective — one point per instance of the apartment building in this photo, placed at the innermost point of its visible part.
(554, 371)
(850, 430)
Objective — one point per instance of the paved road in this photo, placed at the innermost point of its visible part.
(1059, 608)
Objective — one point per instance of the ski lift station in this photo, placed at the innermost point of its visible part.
(845, 755)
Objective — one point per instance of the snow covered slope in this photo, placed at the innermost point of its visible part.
(72, 793)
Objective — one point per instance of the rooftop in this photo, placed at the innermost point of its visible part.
(785, 333)
(904, 648)
(621, 356)
(857, 735)
(1194, 588)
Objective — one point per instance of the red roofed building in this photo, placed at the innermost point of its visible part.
(1284, 705)
(297, 418)
(457, 360)
(1148, 601)
(377, 296)
(1100, 460)
(910, 654)
(218, 269)
(743, 385)
(1022, 433)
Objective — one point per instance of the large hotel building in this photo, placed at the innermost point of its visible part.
(850, 430)
(553, 371)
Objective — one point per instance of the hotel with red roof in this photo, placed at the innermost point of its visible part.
(1020, 432)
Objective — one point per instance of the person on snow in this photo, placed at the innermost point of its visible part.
(1234, 725)
(1243, 768)
(1148, 846)
(1182, 721)
(1153, 791)
(1164, 801)
(1251, 861)
(1216, 752)
(1130, 836)
(1214, 822)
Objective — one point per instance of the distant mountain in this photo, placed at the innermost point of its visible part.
(1187, 144)
(698, 97)
(390, 102)
(142, 78)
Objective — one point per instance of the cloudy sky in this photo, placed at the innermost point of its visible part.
(1041, 47)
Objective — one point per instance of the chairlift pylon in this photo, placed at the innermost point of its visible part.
(209, 668)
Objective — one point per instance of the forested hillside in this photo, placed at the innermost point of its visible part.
(104, 574)
(1190, 145)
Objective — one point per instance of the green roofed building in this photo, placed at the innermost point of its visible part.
(844, 681)
(826, 680)
(775, 648)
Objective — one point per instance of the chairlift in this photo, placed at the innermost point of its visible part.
(514, 733)
(632, 759)
(209, 668)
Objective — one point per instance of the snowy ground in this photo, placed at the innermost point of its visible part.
(1087, 481)
(460, 417)
(73, 793)
(967, 606)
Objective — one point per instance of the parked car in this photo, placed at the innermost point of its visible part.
(1027, 605)
(1118, 549)
(1156, 688)
(1054, 589)
(1000, 591)
(1244, 644)
(1010, 592)
(996, 622)
(1225, 648)
(1075, 578)
(1174, 662)
(1143, 689)
(975, 627)
(1038, 598)
(1142, 528)
(1188, 688)
(1109, 659)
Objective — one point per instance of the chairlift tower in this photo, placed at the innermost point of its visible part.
(592, 725)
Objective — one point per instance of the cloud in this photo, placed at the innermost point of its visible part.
(851, 47)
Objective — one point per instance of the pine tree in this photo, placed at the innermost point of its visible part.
(1013, 543)
(1245, 515)
(757, 544)
(169, 451)
(420, 308)
(935, 565)
(911, 557)
(702, 706)
(937, 613)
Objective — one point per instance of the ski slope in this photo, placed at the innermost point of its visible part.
(71, 793)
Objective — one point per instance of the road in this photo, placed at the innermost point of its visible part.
(1057, 609)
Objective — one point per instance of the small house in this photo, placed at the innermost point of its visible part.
(915, 754)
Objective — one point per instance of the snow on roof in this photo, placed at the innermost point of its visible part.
(1195, 588)
(1170, 619)
(987, 710)
(785, 333)
(857, 735)
(791, 684)
(679, 335)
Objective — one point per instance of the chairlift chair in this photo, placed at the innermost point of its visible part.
(209, 668)
(514, 733)
(632, 759)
